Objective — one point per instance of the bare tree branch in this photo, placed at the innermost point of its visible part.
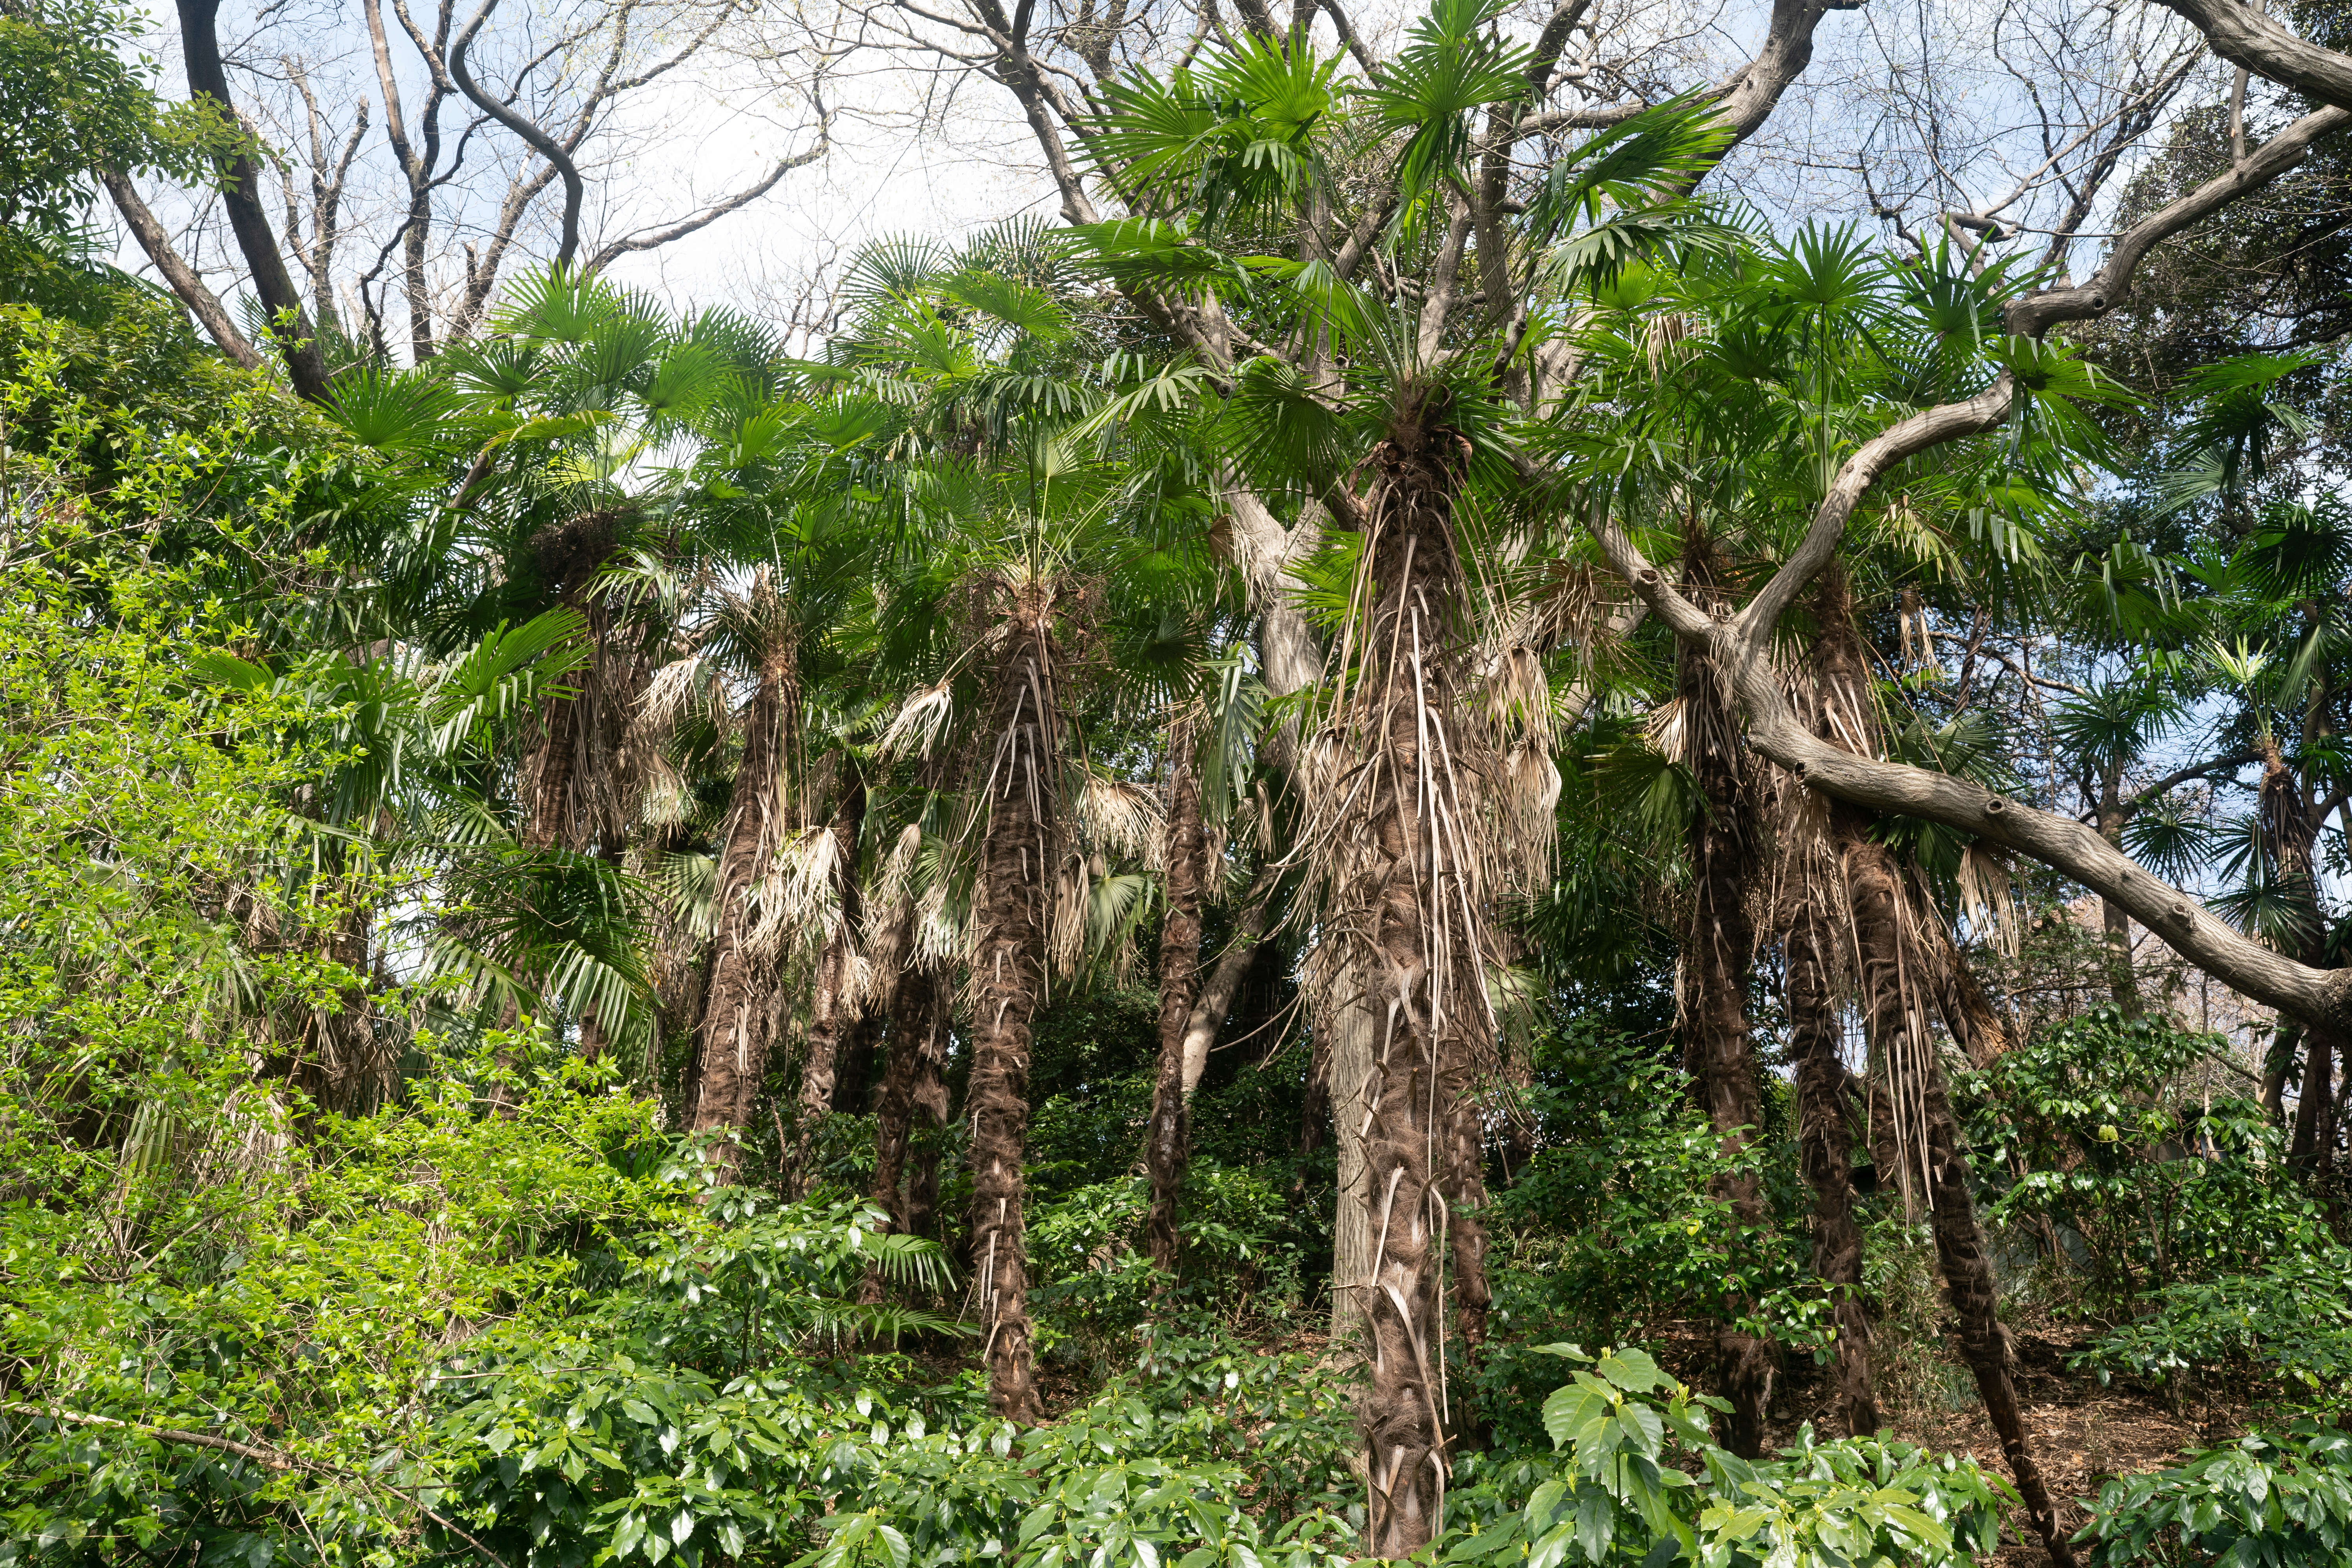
(574, 191)
(201, 302)
(606, 255)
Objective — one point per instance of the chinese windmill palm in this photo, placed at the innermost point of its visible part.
(998, 513)
(1388, 413)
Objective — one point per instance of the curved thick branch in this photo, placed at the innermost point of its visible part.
(2246, 37)
(201, 302)
(241, 197)
(576, 191)
(2319, 996)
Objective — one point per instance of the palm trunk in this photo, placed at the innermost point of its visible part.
(917, 1016)
(1717, 951)
(1018, 857)
(1911, 1096)
(1168, 1142)
(1825, 1136)
(2314, 1107)
(1423, 972)
(2291, 832)
(917, 1013)
(2115, 925)
(735, 1033)
(831, 1016)
(1892, 975)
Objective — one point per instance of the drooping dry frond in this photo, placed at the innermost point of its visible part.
(799, 900)
(1120, 819)
(675, 690)
(1065, 915)
(1519, 698)
(915, 727)
(1530, 803)
(1987, 900)
(939, 934)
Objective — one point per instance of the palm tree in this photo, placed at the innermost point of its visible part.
(1734, 389)
(1340, 384)
(1008, 514)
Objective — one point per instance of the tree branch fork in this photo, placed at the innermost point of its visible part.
(1741, 642)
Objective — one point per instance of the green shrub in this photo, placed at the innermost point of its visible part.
(1618, 1490)
(2276, 1499)
(2087, 1137)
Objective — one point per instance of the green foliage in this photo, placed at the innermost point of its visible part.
(2279, 1499)
(75, 101)
(2148, 1186)
(1612, 1224)
(1095, 1295)
(1614, 1494)
(2291, 1320)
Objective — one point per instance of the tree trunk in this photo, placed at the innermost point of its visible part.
(1018, 857)
(1225, 977)
(1717, 951)
(1825, 1136)
(1892, 975)
(918, 1013)
(1346, 1032)
(832, 1015)
(735, 1034)
(2314, 1106)
(1314, 1105)
(1168, 1140)
(273, 285)
(1413, 894)
(2115, 925)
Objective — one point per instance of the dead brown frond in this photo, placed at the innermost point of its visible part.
(1988, 901)
(798, 901)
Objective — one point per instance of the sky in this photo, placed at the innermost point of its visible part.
(1920, 86)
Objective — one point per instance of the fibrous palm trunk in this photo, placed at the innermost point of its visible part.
(1813, 954)
(1018, 857)
(1717, 949)
(1825, 1137)
(831, 1013)
(1976, 1023)
(917, 1016)
(1893, 985)
(732, 1053)
(918, 1019)
(1917, 1126)
(1412, 900)
(2289, 833)
(1168, 1139)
